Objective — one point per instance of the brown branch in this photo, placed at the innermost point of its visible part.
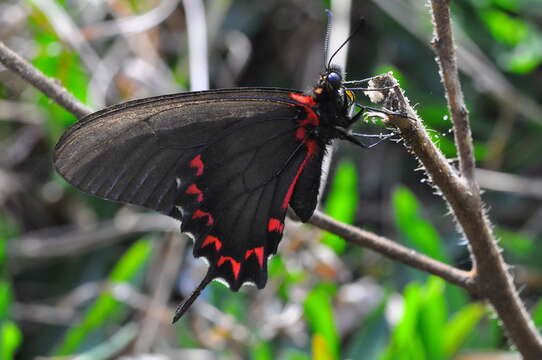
(36, 78)
(394, 251)
(493, 278)
(490, 273)
(443, 44)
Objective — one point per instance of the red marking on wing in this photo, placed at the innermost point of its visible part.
(194, 190)
(212, 240)
(259, 254)
(304, 99)
(235, 266)
(307, 102)
(275, 225)
(199, 214)
(312, 147)
(198, 164)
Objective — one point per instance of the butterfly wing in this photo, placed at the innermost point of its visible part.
(225, 163)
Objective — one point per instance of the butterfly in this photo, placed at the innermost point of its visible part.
(226, 163)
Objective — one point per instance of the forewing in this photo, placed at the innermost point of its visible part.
(131, 152)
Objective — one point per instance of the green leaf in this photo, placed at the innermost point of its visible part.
(537, 313)
(11, 338)
(419, 333)
(106, 307)
(418, 233)
(515, 243)
(527, 56)
(294, 354)
(319, 314)
(5, 299)
(342, 202)
(406, 343)
(510, 5)
(320, 348)
(262, 351)
(461, 326)
(432, 317)
(503, 27)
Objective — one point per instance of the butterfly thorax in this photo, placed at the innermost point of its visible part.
(333, 103)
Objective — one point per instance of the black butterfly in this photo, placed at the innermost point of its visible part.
(227, 163)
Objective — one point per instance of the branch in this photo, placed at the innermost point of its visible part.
(170, 262)
(494, 281)
(443, 44)
(490, 273)
(36, 78)
(394, 251)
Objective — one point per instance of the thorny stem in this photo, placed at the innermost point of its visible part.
(393, 250)
(492, 275)
(443, 44)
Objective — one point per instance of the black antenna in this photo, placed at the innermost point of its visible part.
(185, 305)
(328, 33)
(358, 28)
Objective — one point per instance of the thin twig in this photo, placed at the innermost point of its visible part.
(36, 78)
(134, 24)
(490, 273)
(443, 44)
(169, 268)
(515, 184)
(196, 28)
(65, 241)
(394, 251)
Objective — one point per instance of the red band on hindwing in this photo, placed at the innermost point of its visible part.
(275, 225)
(199, 214)
(235, 266)
(258, 252)
(194, 190)
(312, 147)
(197, 164)
(212, 240)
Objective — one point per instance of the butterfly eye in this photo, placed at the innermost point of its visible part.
(334, 78)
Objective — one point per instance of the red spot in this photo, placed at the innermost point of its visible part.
(307, 102)
(275, 225)
(199, 214)
(194, 190)
(198, 164)
(235, 266)
(259, 254)
(212, 240)
(304, 99)
(312, 147)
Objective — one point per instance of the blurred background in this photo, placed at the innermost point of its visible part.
(85, 278)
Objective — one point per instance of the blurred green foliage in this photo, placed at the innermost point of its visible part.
(106, 309)
(342, 202)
